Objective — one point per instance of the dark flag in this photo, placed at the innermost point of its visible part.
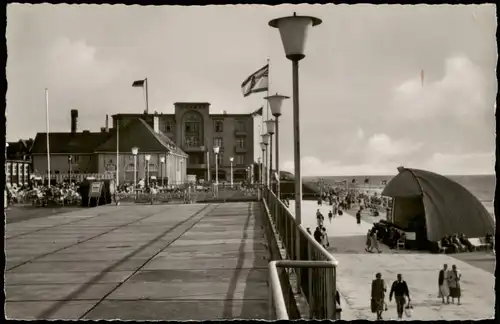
(138, 83)
(258, 112)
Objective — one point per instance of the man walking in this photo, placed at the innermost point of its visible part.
(400, 290)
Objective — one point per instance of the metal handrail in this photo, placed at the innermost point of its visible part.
(276, 292)
(318, 285)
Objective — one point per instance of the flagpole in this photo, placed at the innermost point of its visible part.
(48, 130)
(146, 89)
(268, 86)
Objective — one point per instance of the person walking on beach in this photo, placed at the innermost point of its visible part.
(320, 218)
(454, 278)
(373, 241)
(444, 290)
(358, 217)
(378, 295)
(330, 216)
(318, 235)
(324, 238)
(399, 289)
(368, 241)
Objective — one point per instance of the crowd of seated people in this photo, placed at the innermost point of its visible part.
(458, 243)
(388, 234)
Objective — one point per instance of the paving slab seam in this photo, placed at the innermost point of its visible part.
(86, 240)
(198, 213)
(49, 227)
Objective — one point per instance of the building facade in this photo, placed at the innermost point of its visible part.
(74, 153)
(18, 162)
(193, 129)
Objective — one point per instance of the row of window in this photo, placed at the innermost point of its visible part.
(194, 126)
(239, 159)
(240, 142)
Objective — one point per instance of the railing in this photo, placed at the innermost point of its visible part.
(314, 266)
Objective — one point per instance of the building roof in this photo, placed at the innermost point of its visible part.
(139, 134)
(182, 103)
(449, 207)
(69, 143)
(20, 147)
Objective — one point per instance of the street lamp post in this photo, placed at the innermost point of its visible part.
(231, 159)
(147, 157)
(135, 151)
(275, 102)
(270, 124)
(216, 153)
(162, 162)
(261, 162)
(69, 162)
(294, 31)
(265, 140)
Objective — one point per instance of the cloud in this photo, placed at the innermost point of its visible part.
(472, 163)
(78, 61)
(360, 133)
(460, 93)
(381, 145)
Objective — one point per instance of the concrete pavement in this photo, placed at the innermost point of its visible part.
(357, 269)
(150, 262)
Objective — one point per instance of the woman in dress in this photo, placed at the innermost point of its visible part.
(444, 289)
(378, 295)
(454, 277)
(324, 238)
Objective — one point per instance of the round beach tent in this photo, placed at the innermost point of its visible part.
(444, 205)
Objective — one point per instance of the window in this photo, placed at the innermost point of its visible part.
(240, 126)
(192, 141)
(191, 127)
(168, 126)
(218, 141)
(7, 169)
(241, 142)
(219, 126)
(240, 159)
(220, 158)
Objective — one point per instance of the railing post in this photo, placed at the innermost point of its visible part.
(330, 300)
(312, 302)
(270, 298)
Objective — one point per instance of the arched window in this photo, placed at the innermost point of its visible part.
(192, 129)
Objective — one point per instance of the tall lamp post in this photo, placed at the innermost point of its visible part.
(162, 163)
(147, 157)
(216, 153)
(265, 140)
(294, 30)
(270, 131)
(69, 162)
(261, 163)
(135, 151)
(276, 102)
(231, 159)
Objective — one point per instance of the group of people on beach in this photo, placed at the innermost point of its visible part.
(448, 286)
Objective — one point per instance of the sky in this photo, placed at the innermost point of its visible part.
(364, 109)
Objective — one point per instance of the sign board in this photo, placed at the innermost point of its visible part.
(95, 189)
(411, 236)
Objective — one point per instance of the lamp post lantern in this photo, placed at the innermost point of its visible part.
(135, 151)
(276, 102)
(231, 159)
(265, 140)
(270, 127)
(147, 157)
(294, 31)
(162, 162)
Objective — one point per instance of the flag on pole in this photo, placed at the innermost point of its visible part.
(257, 82)
(138, 83)
(258, 112)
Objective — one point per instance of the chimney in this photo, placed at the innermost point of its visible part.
(107, 123)
(156, 124)
(74, 120)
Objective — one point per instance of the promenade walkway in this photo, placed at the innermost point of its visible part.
(357, 268)
(149, 262)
